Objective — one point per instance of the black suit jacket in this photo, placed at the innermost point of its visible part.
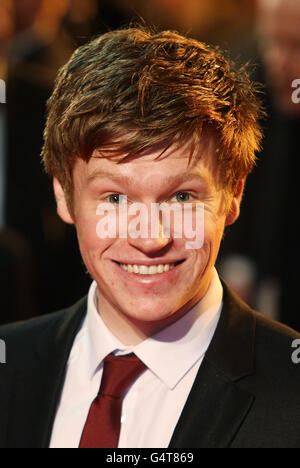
(246, 393)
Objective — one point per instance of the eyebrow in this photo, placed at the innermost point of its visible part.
(127, 180)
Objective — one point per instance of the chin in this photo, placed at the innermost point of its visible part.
(150, 314)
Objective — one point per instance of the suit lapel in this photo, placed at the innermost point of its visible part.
(35, 398)
(216, 406)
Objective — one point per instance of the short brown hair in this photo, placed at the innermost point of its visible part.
(137, 88)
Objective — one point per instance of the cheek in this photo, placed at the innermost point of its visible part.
(91, 245)
(213, 233)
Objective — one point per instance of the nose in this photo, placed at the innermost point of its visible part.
(150, 237)
(150, 245)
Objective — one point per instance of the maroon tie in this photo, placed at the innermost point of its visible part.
(103, 424)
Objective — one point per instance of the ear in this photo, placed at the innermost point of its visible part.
(62, 207)
(234, 210)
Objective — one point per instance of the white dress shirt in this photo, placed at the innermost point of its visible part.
(153, 404)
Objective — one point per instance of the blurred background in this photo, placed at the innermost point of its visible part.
(40, 266)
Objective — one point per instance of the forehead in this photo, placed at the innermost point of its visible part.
(174, 165)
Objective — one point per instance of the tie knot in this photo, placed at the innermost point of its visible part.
(119, 372)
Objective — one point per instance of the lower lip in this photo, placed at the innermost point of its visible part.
(149, 279)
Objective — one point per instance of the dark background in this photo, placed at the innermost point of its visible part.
(40, 265)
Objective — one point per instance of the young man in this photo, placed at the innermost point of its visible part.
(155, 124)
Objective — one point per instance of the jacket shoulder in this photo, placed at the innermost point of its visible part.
(36, 324)
(264, 324)
(246, 332)
(273, 381)
(276, 345)
(20, 337)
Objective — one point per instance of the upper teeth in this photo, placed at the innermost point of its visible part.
(145, 270)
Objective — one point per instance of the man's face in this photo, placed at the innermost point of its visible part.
(148, 302)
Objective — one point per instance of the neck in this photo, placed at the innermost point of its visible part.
(131, 331)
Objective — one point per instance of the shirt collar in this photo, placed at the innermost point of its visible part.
(100, 339)
(170, 353)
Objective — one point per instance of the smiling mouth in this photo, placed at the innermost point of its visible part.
(149, 269)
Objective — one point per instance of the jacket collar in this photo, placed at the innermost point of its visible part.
(59, 343)
(217, 406)
(33, 389)
(232, 348)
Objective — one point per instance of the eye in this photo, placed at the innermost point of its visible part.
(183, 197)
(116, 199)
